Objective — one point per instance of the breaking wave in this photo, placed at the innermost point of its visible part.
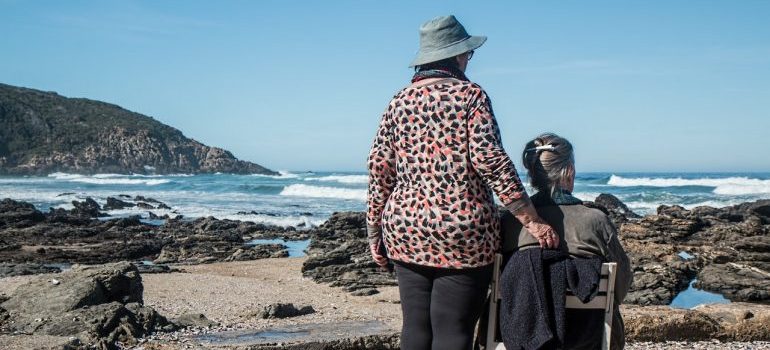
(726, 186)
(345, 179)
(301, 190)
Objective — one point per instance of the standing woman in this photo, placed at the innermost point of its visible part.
(435, 157)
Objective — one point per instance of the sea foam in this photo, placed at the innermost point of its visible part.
(282, 174)
(115, 179)
(345, 179)
(725, 186)
(110, 179)
(301, 190)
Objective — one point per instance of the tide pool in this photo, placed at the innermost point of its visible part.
(692, 297)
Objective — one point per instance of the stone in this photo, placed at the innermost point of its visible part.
(736, 282)
(117, 204)
(339, 254)
(100, 305)
(365, 292)
(88, 208)
(18, 214)
(68, 236)
(281, 310)
(618, 210)
(21, 269)
(194, 319)
(662, 323)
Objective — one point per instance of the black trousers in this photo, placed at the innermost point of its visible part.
(440, 306)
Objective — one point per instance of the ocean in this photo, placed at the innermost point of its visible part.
(307, 199)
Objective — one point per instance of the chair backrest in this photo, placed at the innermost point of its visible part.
(603, 300)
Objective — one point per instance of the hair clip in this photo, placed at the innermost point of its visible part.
(541, 148)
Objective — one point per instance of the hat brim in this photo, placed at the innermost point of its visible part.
(463, 46)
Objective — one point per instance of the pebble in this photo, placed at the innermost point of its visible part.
(716, 345)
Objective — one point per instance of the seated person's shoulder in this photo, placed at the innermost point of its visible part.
(591, 216)
(592, 205)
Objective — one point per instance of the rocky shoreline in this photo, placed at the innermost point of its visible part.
(726, 249)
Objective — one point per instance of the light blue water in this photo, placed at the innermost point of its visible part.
(692, 297)
(295, 248)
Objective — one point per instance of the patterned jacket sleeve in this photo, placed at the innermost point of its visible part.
(382, 172)
(488, 156)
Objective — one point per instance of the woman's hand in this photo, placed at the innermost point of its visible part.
(537, 227)
(544, 234)
(377, 247)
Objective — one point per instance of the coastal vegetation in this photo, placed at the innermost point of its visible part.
(43, 132)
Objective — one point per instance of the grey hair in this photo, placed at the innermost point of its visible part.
(548, 167)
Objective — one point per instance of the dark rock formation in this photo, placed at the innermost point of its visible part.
(10, 269)
(736, 236)
(116, 204)
(613, 207)
(70, 236)
(735, 281)
(88, 208)
(281, 310)
(659, 273)
(731, 248)
(99, 305)
(339, 254)
(208, 240)
(42, 132)
(18, 214)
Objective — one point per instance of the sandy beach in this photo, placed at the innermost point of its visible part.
(232, 294)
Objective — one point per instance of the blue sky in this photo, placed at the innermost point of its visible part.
(300, 85)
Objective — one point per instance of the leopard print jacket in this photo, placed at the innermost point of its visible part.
(435, 157)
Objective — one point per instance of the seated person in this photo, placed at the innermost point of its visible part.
(583, 232)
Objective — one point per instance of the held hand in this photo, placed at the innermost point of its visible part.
(544, 234)
(537, 227)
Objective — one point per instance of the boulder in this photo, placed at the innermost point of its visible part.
(726, 322)
(99, 305)
(736, 282)
(339, 254)
(21, 269)
(115, 204)
(194, 319)
(662, 323)
(88, 208)
(617, 210)
(280, 310)
(18, 214)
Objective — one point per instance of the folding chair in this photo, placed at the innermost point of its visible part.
(603, 300)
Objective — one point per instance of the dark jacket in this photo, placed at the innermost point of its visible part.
(533, 289)
(583, 232)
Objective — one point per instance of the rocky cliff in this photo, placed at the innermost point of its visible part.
(43, 132)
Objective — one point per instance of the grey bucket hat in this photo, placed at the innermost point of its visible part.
(444, 37)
